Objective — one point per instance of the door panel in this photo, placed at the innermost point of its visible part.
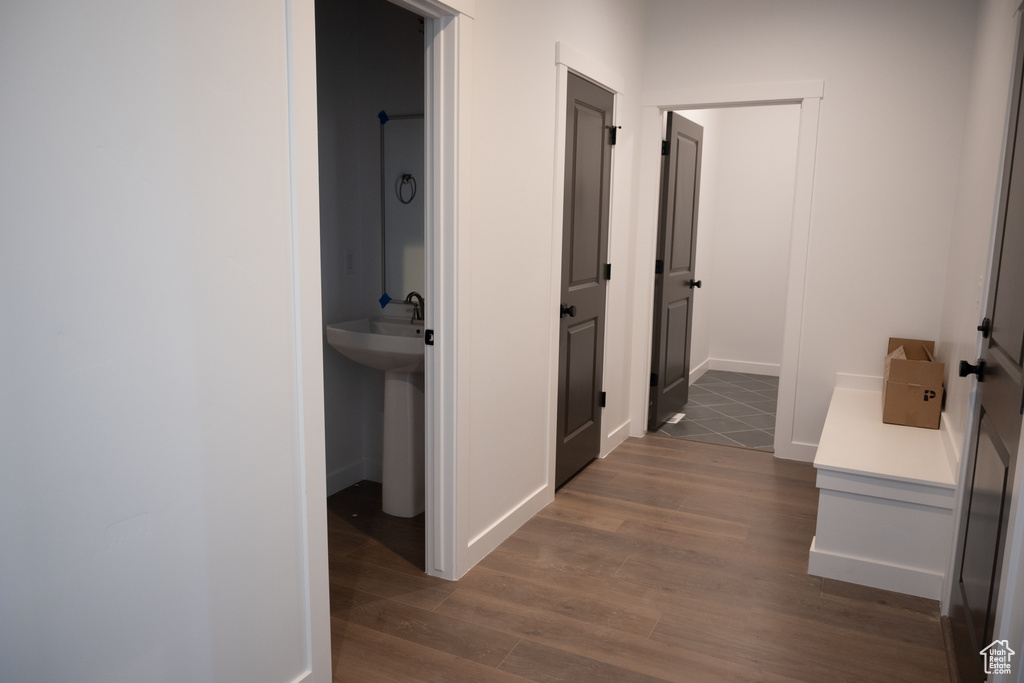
(991, 460)
(673, 291)
(684, 218)
(676, 366)
(584, 254)
(1008, 335)
(586, 201)
(581, 374)
(984, 520)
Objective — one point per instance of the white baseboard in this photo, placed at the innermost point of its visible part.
(867, 572)
(343, 477)
(616, 437)
(952, 448)
(772, 369)
(804, 452)
(491, 537)
(698, 372)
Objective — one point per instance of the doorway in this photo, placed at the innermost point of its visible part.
(806, 95)
(370, 98)
(446, 86)
(748, 176)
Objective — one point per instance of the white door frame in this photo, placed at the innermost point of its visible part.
(808, 95)
(446, 120)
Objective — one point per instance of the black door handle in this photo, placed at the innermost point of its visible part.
(567, 311)
(694, 283)
(968, 369)
(985, 327)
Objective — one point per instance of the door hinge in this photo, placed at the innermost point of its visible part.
(613, 134)
(604, 399)
(607, 271)
(428, 337)
(665, 148)
(654, 379)
(659, 267)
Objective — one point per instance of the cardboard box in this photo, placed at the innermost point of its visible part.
(912, 389)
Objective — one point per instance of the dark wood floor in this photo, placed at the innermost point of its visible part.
(668, 560)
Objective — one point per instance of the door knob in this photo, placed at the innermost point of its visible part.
(694, 283)
(968, 369)
(985, 327)
(568, 311)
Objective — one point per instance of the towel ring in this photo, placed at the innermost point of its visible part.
(405, 179)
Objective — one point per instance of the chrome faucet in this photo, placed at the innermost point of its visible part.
(417, 305)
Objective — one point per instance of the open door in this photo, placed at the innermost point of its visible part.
(674, 269)
(588, 153)
(991, 460)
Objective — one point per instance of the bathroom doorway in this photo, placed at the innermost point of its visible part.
(370, 104)
(748, 180)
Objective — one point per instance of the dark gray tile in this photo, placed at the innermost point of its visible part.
(764, 406)
(738, 410)
(724, 425)
(705, 380)
(769, 393)
(742, 396)
(755, 385)
(762, 421)
(696, 412)
(684, 428)
(755, 438)
(697, 390)
(728, 389)
(714, 400)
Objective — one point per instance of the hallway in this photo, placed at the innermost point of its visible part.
(668, 560)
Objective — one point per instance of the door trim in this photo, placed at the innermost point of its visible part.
(808, 94)
(568, 59)
(447, 45)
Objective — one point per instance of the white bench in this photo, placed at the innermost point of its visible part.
(885, 500)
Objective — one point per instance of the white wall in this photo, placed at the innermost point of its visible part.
(150, 500)
(891, 121)
(507, 357)
(370, 58)
(744, 237)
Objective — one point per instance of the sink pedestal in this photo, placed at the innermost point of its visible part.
(403, 456)
(394, 345)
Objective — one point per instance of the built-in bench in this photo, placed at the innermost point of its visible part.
(885, 501)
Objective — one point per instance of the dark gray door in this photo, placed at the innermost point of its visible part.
(674, 269)
(588, 153)
(992, 458)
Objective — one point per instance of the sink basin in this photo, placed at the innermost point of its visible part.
(385, 343)
(395, 346)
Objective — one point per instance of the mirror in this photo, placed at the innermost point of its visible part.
(402, 191)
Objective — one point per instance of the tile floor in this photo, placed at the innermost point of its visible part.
(730, 408)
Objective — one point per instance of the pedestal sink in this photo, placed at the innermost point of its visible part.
(395, 346)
